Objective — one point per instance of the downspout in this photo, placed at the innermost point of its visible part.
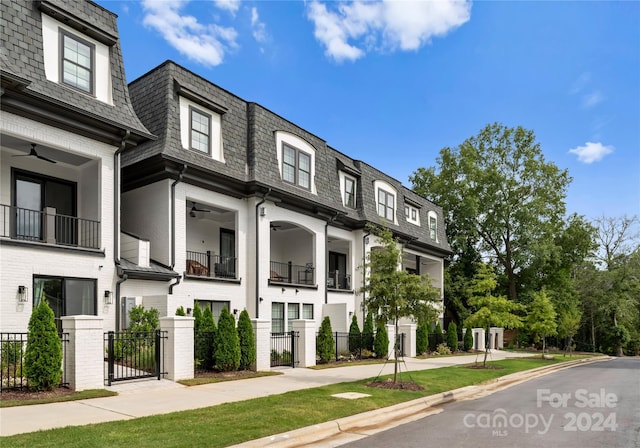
(326, 253)
(116, 222)
(262, 201)
(173, 224)
(364, 274)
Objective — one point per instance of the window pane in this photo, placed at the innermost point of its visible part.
(305, 162)
(217, 307)
(80, 297)
(277, 317)
(307, 311)
(289, 156)
(289, 173)
(304, 180)
(293, 313)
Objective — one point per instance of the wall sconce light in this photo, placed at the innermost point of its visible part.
(350, 313)
(23, 294)
(283, 290)
(189, 310)
(235, 311)
(263, 211)
(297, 291)
(108, 297)
(261, 299)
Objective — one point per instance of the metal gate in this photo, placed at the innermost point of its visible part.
(134, 355)
(284, 349)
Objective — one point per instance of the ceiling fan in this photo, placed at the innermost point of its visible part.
(274, 227)
(195, 209)
(34, 153)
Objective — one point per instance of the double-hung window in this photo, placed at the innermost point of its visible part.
(200, 130)
(349, 192)
(433, 227)
(77, 62)
(296, 166)
(277, 317)
(386, 205)
(293, 313)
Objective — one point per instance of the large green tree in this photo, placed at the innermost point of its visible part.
(393, 294)
(500, 196)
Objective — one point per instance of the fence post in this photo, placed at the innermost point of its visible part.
(290, 272)
(84, 353)
(178, 347)
(262, 333)
(335, 341)
(409, 330)
(306, 336)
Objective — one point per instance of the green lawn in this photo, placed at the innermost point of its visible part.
(232, 423)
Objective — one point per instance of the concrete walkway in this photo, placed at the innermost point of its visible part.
(151, 397)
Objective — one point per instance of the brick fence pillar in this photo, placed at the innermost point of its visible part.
(262, 332)
(306, 342)
(178, 347)
(409, 331)
(84, 355)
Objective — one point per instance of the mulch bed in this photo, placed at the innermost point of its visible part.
(481, 367)
(236, 375)
(400, 385)
(28, 394)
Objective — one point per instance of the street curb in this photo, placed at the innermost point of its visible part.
(371, 422)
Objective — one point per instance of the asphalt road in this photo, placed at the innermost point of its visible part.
(591, 406)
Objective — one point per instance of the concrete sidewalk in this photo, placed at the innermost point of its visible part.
(151, 397)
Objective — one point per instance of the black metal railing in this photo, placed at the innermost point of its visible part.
(133, 355)
(292, 273)
(338, 280)
(200, 264)
(284, 349)
(357, 346)
(12, 363)
(34, 225)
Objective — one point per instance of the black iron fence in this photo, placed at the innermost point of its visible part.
(134, 355)
(284, 349)
(34, 225)
(206, 264)
(12, 363)
(292, 273)
(354, 346)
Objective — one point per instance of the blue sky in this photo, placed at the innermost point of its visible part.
(392, 82)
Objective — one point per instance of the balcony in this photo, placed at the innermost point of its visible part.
(48, 227)
(338, 280)
(206, 264)
(292, 274)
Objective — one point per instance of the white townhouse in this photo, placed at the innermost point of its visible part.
(252, 211)
(66, 119)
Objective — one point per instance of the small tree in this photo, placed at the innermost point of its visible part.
(422, 338)
(368, 333)
(381, 342)
(355, 337)
(452, 337)
(467, 341)
(541, 318)
(325, 343)
(568, 324)
(392, 293)
(180, 311)
(143, 320)
(439, 338)
(197, 318)
(490, 310)
(43, 355)
(247, 341)
(206, 337)
(227, 346)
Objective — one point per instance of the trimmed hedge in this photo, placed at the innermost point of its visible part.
(43, 355)
(247, 341)
(381, 342)
(452, 337)
(227, 346)
(354, 335)
(325, 343)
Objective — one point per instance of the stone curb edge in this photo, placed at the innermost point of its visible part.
(365, 422)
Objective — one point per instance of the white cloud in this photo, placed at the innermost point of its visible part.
(203, 43)
(591, 152)
(580, 83)
(229, 5)
(591, 99)
(349, 29)
(258, 27)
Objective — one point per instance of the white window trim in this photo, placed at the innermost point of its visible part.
(301, 145)
(412, 211)
(384, 186)
(216, 151)
(432, 215)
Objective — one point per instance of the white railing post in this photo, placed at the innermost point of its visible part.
(84, 356)
(262, 333)
(306, 330)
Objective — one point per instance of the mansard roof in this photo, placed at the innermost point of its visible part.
(26, 90)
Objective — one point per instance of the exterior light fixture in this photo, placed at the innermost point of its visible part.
(23, 294)
(108, 297)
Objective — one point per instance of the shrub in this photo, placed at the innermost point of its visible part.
(180, 311)
(422, 338)
(205, 338)
(142, 320)
(381, 342)
(247, 341)
(43, 355)
(227, 346)
(468, 340)
(368, 333)
(325, 342)
(354, 335)
(452, 336)
(443, 349)
(438, 334)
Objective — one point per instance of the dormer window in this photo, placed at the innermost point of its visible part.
(433, 226)
(296, 166)
(200, 130)
(77, 64)
(386, 204)
(349, 192)
(412, 214)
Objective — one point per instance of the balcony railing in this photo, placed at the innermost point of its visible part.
(292, 273)
(338, 280)
(200, 264)
(48, 227)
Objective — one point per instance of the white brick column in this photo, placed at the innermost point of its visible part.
(178, 347)
(478, 338)
(262, 333)
(391, 332)
(409, 330)
(84, 353)
(306, 342)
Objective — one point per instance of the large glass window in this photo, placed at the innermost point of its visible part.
(216, 307)
(66, 296)
(277, 317)
(386, 205)
(77, 65)
(200, 131)
(296, 166)
(307, 311)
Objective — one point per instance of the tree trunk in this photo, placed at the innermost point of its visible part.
(395, 352)
(486, 348)
(593, 334)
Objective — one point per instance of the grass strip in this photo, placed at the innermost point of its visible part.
(221, 379)
(232, 423)
(82, 395)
